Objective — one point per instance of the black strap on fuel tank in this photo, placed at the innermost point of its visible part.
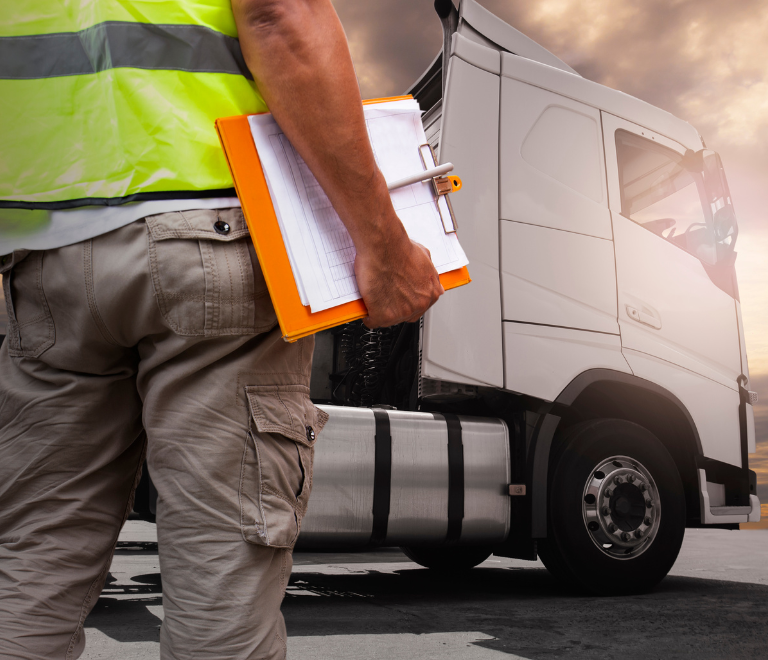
(455, 476)
(382, 477)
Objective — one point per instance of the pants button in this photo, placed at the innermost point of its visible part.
(221, 227)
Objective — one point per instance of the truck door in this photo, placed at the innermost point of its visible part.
(558, 280)
(677, 313)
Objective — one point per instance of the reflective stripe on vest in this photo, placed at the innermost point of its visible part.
(116, 45)
(118, 110)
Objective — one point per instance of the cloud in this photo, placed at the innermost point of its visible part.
(392, 43)
(703, 60)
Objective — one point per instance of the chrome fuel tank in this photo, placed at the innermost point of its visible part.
(390, 477)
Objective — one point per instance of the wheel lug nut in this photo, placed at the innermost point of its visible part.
(617, 479)
(631, 478)
(648, 520)
(606, 511)
(609, 493)
(612, 527)
(649, 504)
(639, 533)
(643, 488)
(625, 536)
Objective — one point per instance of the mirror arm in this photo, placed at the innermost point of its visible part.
(693, 161)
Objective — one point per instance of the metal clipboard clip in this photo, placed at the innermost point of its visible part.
(442, 185)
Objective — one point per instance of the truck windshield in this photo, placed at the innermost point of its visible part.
(660, 193)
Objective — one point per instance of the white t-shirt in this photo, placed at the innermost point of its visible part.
(75, 225)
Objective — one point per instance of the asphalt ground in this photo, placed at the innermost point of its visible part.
(345, 606)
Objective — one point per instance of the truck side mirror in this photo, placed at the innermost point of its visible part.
(726, 229)
(724, 225)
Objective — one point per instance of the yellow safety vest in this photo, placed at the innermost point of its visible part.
(110, 101)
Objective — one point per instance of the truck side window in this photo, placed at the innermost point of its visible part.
(661, 195)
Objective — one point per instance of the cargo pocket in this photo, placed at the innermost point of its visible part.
(30, 324)
(276, 471)
(205, 274)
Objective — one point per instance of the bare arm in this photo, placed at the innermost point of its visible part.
(298, 54)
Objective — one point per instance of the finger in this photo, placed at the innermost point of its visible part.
(426, 251)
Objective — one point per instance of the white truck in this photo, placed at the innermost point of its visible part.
(586, 398)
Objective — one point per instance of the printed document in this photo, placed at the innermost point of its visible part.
(319, 247)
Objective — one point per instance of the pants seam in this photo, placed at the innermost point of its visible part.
(15, 348)
(160, 300)
(33, 321)
(212, 288)
(244, 285)
(230, 280)
(84, 610)
(250, 437)
(283, 585)
(91, 294)
(278, 494)
(240, 487)
(287, 411)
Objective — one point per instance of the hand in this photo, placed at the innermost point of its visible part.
(398, 283)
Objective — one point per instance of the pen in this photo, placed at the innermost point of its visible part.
(426, 175)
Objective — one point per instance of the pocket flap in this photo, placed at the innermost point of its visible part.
(10, 260)
(286, 409)
(199, 224)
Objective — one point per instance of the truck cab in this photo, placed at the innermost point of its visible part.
(586, 398)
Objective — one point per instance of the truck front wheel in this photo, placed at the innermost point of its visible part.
(616, 509)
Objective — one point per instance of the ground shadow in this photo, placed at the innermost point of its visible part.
(529, 614)
(122, 612)
(524, 610)
(126, 620)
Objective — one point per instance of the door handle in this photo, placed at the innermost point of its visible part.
(643, 317)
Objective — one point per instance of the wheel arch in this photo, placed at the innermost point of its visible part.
(603, 393)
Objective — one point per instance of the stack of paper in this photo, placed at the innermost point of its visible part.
(319, 247)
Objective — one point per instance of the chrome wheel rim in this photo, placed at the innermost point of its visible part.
(621, 507)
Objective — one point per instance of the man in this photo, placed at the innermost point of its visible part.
(138, 316)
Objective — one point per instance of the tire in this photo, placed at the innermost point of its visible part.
(616, 509)
(448, 559)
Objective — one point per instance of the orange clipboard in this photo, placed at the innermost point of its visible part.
(296, 320)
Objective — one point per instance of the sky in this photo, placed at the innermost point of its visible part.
(705, 61)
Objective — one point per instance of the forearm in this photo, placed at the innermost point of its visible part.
(298, 54)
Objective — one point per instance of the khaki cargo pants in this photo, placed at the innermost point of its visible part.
(157, 338)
